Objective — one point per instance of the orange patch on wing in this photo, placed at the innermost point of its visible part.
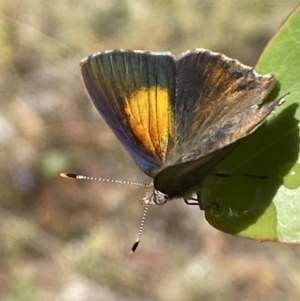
(151, 119)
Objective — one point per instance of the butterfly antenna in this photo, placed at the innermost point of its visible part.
(135, 245)
(81, 177)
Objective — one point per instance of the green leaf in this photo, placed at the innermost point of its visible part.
(261, 198)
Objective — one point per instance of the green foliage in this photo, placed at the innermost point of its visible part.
(267, 209)
(24, 290)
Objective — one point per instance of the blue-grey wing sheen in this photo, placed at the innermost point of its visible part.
(135, 94)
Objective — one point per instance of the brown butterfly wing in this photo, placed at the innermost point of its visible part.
(219, 101)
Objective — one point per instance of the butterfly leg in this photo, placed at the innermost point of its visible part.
(255, 176)
(193, 201)
(226, 175)
(222, 175)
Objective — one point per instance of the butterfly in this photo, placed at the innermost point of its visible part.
(177, 118)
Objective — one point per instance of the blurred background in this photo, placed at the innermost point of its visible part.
(65, 240)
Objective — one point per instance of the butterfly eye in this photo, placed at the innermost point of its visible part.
(186, 188)
(183, 189)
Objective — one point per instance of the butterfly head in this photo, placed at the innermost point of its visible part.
(154, 196)
(159, 192)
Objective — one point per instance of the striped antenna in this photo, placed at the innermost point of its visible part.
(135, 245)
(81, 177)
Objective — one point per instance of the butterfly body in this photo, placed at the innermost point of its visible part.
(177, 118)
